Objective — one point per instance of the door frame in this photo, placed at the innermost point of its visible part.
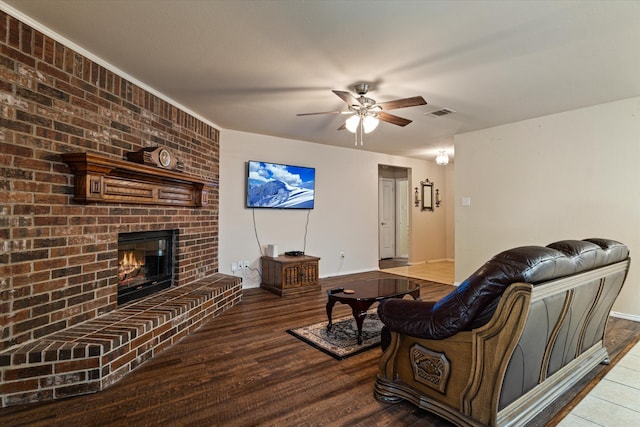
(397, 174)
(402, 217)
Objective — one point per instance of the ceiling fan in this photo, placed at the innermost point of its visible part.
(366, 112)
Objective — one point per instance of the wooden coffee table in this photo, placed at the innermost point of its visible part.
(361, 295)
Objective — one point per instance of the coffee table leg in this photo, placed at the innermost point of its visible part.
(359, 313)
(359, 321)
(330, 305)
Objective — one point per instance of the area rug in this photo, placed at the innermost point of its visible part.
(342, 340)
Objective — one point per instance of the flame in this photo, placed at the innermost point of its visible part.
(129, 264)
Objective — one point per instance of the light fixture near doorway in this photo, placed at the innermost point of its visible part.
(442, 158)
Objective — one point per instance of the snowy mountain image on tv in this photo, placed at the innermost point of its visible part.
(272, 185)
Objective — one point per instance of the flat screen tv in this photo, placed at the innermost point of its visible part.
(273, 185)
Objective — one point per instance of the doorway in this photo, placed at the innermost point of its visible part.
(393, 215)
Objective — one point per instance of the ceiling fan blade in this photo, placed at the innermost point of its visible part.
(346, 97)
(403, 103)
(325, 112)
(390, 118)
(343, 127)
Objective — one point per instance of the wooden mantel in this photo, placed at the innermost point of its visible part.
(101, 179)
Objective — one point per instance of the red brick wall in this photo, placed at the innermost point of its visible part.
(58, 259)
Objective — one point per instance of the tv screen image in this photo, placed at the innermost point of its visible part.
(273, 185)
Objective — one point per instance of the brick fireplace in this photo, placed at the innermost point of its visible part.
(62, 330)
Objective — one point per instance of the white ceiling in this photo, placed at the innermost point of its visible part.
(252, 65)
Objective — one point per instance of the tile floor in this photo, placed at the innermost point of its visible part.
(440, 272)
(615, 400)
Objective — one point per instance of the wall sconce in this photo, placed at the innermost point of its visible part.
(438, 201)
(424, 196)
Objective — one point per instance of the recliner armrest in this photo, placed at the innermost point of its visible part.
(408, 317)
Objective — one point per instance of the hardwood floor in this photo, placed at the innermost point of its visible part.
(243, 369)
(392, 262)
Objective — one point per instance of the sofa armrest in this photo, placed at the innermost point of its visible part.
(459, 377)
(407, 316)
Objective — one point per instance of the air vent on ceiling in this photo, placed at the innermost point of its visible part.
(440, 113)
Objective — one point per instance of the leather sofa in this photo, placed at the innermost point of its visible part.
(516, 334)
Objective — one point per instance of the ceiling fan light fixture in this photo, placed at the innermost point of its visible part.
(442, 158)
(370, 123)
(367, 113)
(352, 123)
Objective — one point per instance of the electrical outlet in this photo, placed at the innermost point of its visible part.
(234, 267)
(246, 264)
(341, 254)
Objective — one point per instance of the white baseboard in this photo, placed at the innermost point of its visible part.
(632, 317)
(440, 260)
(430, 261)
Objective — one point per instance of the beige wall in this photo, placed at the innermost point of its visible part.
(345, 218)
(571, 175)
(450, 207)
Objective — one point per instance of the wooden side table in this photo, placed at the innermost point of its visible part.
(286, 275)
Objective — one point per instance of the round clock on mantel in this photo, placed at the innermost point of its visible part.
(164, 158)
(154, 156)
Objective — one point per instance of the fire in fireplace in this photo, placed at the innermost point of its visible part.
(145, 263)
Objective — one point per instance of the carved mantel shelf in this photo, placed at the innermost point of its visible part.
(100, 179)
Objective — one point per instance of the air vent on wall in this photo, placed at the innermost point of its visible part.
(440, 113)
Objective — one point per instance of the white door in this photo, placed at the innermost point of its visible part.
(402, 219)
(387, 217)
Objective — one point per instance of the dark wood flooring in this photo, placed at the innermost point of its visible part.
(243, 369)
(392, 262)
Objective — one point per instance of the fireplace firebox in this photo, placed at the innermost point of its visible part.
(145, 263)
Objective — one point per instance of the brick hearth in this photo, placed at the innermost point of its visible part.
(91, 356)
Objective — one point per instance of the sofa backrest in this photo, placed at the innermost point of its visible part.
(567, 319)
(472, 304)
